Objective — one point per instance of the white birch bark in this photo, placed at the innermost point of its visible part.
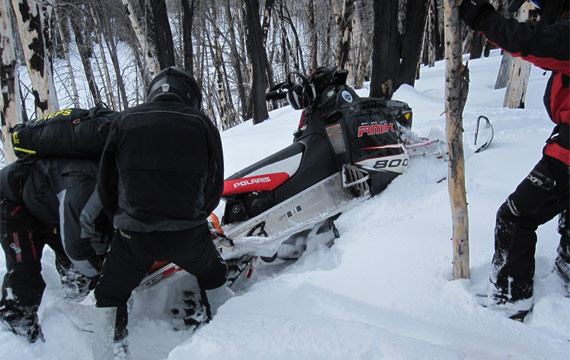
(33, 19)
(10, 103)
(148, 48)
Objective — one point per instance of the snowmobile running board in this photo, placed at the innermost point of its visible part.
(263, 234)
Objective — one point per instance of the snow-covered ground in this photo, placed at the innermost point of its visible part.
(384, 290)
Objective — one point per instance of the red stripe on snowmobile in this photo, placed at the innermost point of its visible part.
(266, 182)
(391, 146)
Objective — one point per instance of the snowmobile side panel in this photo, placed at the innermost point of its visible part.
(263, 234)
(316, 165)
(290, 151)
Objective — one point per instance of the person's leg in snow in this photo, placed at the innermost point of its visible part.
(75, 285)
(541, 196)
(208, 268)
(133, 253)
(23, 285)
(562, 263)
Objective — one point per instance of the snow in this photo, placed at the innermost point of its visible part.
(384, 290)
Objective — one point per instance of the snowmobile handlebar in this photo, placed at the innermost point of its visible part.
(313, 84)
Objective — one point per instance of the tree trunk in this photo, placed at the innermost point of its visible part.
(110, 41)
(519, 72)
(256, 51)
(386, 53)
(313, 43)
(136, 16)
(236, 63)
(98, 33)
(364, 35)
(33, 24)
(10, 102)
(226, 115)
(516, 89)
(456, 90)
(411, 43)
(65, 45)
(159, 30)
(504, 71)
(344, 17)
(85, 51)
(476, 46)
(188, 7)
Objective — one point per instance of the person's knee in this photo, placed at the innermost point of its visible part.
(215, 277)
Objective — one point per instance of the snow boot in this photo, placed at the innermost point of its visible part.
(192, 310)
(562, 263)
(110, 333)
(214, 298)
(75, 284)
(515, 308)
(21, 320)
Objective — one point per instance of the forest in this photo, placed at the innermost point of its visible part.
(236, 49)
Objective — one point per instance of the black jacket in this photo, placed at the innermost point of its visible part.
(55, 192)
(161, 169)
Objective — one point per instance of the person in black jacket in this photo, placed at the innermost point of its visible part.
(40, 204)
(543, 194)
(161, 175)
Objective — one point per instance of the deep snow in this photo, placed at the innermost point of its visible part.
(384, 290)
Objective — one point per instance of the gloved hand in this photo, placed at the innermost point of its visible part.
(470, 10)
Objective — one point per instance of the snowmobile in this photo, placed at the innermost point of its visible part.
(346, 149)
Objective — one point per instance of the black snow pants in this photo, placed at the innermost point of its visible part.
(23, 239)
(541, 196)
(133, 253)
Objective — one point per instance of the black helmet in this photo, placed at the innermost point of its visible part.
(175, 83)
(549, 10)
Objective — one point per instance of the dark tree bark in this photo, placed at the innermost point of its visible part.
(411, 41)
(159, 27)
(188, 7)
(256, 52)
(397, 45)
(476, 46)
(236, 63)
(386, 53)
(313, 43)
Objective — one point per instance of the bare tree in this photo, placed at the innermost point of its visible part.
(137, 16)
(398, 29)
(363, 39)
(64, 43)
(188, 7)
(344, 13)
(313, 45)
(82, 34)
(456, 89)
(10, 104)
(33, 19)
(256, 52)
(519, 71)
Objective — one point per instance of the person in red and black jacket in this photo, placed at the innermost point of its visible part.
(543, 194)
